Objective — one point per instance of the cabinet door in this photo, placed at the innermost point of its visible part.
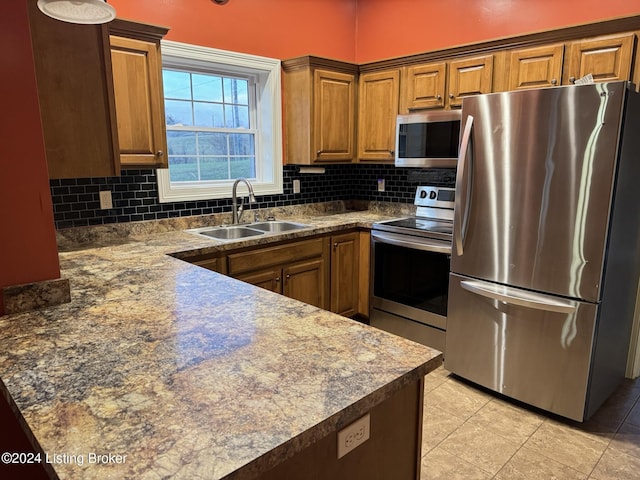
(334, 116)
(75, 92)
(344, 273)
(423, 87)
(217, 264)
(536, 67)
(307, 281)
(378, 107)
(470, 76)
(269, 279)
(606, 58)
(137, 80)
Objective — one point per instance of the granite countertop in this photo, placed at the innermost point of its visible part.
(186, 373)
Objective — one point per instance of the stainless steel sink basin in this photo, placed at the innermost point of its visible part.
(228, 233)
(277, 226)
(238, 232)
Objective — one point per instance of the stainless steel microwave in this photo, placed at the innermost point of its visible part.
(428, 139)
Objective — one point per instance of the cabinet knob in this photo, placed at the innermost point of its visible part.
(392, 152)
(553, 81)
(159, 153)
(335, 245)
(438, 97)
(318, 153)
(572, 79)
(287, 276)
(451, 95)
(277, 279)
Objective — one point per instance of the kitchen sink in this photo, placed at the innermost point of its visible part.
(228, 233)
(277, 226)
(238, 232)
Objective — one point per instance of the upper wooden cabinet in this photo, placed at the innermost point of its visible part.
(469, 76)
(320, 106)
(607, 58)
(445, 84)
(423, 86)
(378, 97)
(137, 79)
(100, 93)
(75, 90)
(536, 67)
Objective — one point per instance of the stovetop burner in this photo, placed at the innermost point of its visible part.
(424, 227)
(434, 215)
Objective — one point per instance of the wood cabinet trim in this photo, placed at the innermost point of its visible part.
(310, 61)
(141, 31)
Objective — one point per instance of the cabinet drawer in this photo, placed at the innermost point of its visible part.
(276, 255)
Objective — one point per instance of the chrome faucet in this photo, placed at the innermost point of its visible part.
(236, 211)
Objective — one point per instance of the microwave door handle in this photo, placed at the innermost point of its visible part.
(515, 296)
(461, 216)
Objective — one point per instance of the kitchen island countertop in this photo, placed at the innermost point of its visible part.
(186, 373)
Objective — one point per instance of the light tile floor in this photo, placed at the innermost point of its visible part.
(470, 434)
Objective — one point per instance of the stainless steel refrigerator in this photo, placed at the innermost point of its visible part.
(545, 261)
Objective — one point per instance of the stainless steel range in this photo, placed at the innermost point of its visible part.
(410, 269)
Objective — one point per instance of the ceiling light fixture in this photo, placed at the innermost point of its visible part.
(78, 11)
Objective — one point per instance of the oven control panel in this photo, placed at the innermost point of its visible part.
(441, 197)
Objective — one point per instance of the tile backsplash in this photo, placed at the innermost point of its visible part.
(135, 193)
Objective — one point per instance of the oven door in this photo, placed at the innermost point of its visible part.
(409, 286)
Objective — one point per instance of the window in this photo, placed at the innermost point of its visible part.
(223, 122)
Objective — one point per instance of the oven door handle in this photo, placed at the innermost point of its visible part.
(427, 245)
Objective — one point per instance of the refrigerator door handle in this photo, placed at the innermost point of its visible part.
(519, 297)
(461, 216)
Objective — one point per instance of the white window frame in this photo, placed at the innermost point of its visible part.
(268, 148)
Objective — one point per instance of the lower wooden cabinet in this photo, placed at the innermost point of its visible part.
(296, 269)
(344, 273)
(330, 272)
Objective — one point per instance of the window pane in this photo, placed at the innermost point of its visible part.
(215, 168)
(183, 169)
(243, 167)
(241, 144)
(178, 112)
(207, 87)
(176, 84)
(212, 144)
(181, 143)
(208, 114)
(236, 116)
(235, 91)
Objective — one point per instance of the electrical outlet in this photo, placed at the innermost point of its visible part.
(354, 435)
(105, 200)
(296, 186)
(381, 184)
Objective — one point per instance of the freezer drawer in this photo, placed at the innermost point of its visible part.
(530, 347)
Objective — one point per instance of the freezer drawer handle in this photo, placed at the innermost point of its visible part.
(518, 297)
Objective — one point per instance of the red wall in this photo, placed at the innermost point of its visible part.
(360, 30)
(272, 28)
(28, 251)
(402, 27)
